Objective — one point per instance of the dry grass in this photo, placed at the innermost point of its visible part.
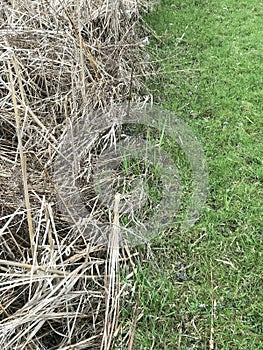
(60, 60)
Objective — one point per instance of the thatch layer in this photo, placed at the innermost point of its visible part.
(59, 61)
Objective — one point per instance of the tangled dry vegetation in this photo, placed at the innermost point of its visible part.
(60, 59)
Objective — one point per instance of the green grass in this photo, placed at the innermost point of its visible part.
(207, 283)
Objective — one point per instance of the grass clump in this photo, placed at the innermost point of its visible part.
(60, 61)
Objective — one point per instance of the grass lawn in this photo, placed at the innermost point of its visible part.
(203, 289)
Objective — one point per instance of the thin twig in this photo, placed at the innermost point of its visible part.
(22, 155)
(213, 301)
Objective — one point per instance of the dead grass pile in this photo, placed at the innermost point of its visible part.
(60, 60)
